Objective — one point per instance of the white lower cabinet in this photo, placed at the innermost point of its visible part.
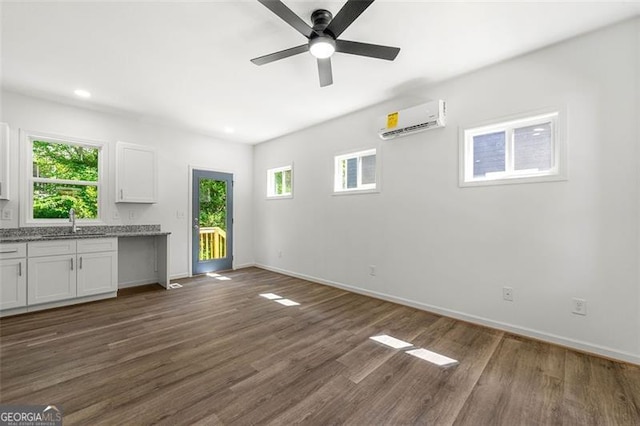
(97, 268)
(51, 278)
(66, 269)
(13, 275)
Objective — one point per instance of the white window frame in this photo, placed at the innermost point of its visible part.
(26, 194)
(360, 188)
(271, 174)
(557, 171)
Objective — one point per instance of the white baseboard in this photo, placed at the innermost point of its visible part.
(522, 331)
(58, 304)
(243, 265)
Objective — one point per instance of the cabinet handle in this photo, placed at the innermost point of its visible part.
(80, 265)
(121, 194)
(72, 263)
(8, 251)
(20, 269)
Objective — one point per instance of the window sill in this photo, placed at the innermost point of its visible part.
(513, 180)
(279, 197)
(356, 192)
(64, 223)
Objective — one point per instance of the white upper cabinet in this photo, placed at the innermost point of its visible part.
(4, 161)
(136, 173)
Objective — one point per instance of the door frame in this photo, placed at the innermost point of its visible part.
(190, 213)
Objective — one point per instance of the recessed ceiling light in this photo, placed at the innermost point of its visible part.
(229, 129)
(82, 93)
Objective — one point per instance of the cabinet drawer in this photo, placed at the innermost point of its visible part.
(51, 248)
(13, 250)
(94, 245)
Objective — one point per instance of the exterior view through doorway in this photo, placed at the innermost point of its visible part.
(212, 221)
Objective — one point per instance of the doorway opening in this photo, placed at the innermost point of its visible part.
(212, 221)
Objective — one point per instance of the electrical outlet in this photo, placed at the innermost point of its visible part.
(507, 294)
(180, 214)
(372, 270)
(132, 214)
(7, 214)
(579, 306)
(116, 215)
(279, 253)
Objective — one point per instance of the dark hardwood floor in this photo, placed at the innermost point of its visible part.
(215, 352)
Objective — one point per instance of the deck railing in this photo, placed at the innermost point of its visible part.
(213, 243)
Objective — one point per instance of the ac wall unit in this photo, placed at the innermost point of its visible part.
(412, 120)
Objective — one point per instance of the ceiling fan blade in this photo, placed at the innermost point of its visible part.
(280, 55)
(345, 17)
(324, 70)
(287, 15)
(366, 49)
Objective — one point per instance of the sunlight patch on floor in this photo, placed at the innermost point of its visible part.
(424, 354)
(270, 296)
(433, 357)
(287, 302)
(391, 341)
(218, 276)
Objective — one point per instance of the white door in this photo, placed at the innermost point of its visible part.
(97, 273)
(51, 278)
(13, 283)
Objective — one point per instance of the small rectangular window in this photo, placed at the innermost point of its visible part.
(520, 150)
(280, 182)
(356, 171)
(63, 174)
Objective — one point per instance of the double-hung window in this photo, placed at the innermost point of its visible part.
(62, 173)
(527, 149)
(357, 171)
(280, 182)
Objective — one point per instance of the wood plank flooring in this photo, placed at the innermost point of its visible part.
(214, 352)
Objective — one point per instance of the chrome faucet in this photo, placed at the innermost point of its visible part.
(72, 219)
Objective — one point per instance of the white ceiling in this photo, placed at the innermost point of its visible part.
(187, 62)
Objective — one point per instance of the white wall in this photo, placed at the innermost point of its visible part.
(451, 249)
(177, 150)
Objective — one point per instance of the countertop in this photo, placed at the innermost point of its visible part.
(22, 235)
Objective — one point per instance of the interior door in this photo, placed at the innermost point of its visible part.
(212, 221)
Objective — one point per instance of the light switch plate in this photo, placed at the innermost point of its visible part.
(7, 214)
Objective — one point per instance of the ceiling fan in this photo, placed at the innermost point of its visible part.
(323, 36)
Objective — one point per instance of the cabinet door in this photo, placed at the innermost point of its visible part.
(136, 173)
(97, 273)
(4, 161)
(51, 278)
(13, 283)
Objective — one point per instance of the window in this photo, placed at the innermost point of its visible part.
(356, 171)
(62, 174)
(280, 182)
(519, 150)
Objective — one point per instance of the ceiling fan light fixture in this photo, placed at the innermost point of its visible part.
(322, 47)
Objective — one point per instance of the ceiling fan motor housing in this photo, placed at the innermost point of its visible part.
(323, 36)
(320, 19)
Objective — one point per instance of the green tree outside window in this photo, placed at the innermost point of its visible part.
(65, 176)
